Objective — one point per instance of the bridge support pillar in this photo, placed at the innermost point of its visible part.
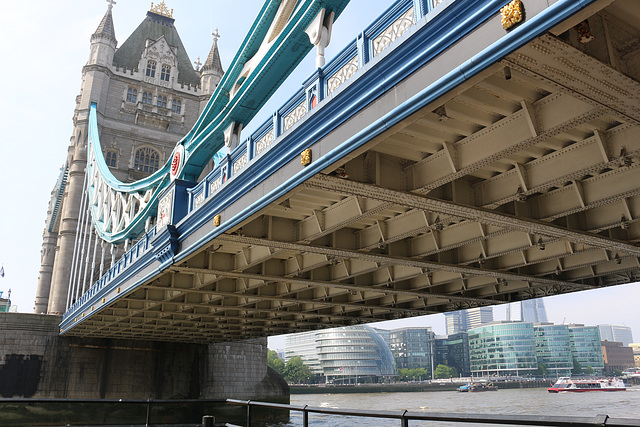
(36, 362)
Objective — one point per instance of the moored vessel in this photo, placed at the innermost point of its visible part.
(475, 387)
(566, 384)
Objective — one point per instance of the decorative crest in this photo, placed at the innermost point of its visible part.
(161, 9)
(197, 63)
(512, 14)
(111, 3)
(216, 36)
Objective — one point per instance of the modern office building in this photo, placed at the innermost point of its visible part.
(463, 320)
(616, 333)
(553, 348)
(533, 310)
(616, 357)
(440, 351)
(349, 355)
(458, 353)
(411, 347)
(586, 347)
(502, 348)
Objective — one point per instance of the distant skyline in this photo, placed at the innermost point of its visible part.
(47, 44)
(590, 308)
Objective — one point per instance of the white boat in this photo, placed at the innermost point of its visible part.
(566, 384)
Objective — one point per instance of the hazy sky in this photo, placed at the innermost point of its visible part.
(45, 45)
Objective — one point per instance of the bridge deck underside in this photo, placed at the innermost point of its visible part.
(521, 184)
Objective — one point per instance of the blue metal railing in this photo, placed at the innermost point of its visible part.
(317, 85)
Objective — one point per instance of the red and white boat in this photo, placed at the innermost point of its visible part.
(566, 384)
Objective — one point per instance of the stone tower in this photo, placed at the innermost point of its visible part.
(148, 96)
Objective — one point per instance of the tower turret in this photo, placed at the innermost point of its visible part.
(211, 73)
(103, 41)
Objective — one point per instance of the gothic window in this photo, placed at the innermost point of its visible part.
(110, 158)
(146, 160)
(162, 101)
(151, 68)
(147, 97)
(165, 73)
(132, 95)
(176, 106)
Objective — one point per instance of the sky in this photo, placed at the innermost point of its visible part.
(44, 47)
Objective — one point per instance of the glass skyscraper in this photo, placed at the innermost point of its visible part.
(502, 348)
(616, 333)
(533, 310)
(463, 320)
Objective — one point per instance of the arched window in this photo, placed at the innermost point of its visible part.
(165, 73)
(132, 95)
(146, 160)
(147, 97)
(176, 106)
(151, 68)
(110, 158)
(162, 101)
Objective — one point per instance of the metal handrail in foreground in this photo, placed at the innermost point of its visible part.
(405, 416)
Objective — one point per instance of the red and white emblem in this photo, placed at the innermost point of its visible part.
(176, 162)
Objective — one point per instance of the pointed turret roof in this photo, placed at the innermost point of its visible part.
(153, 27)
(106, 28)
(213, 62)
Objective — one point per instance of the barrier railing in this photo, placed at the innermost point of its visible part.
(197, 412)
(405, 416)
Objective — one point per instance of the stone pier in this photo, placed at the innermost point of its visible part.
(36, 362)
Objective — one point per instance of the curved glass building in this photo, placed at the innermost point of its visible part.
(502, 348)
(349, 355)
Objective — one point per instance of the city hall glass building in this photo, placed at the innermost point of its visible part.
(502, 348)
(343, 355)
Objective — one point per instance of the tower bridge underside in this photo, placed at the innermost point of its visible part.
(520, 183)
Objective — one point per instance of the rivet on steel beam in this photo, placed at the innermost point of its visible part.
(306, 157)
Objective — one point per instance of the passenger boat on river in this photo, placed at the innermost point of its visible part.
(566, 384)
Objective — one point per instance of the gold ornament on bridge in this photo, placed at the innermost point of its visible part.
(306, 157)
(161, 9)
(216, 220)
(512, 13)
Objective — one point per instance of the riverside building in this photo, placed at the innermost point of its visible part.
(553, 348)
(349, 355)
(586, 347)
(503, 348)
(412, 347)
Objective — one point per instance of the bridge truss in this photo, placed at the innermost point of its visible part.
(460, 183)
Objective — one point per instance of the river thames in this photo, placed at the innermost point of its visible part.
(536, 401)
